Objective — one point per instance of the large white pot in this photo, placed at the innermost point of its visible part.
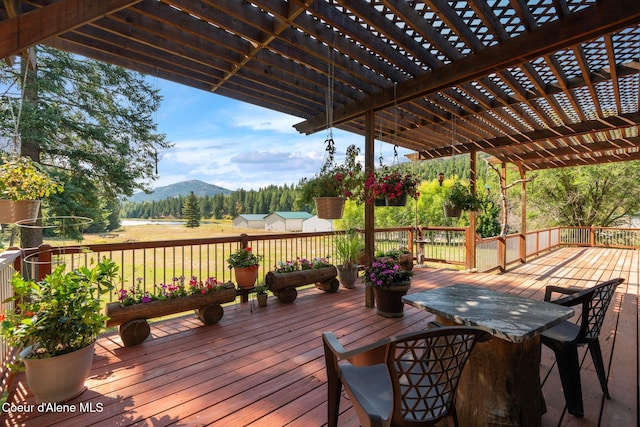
(60, 378)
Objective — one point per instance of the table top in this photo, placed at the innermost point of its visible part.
(507, 316)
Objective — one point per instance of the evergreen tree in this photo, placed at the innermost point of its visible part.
(91, 120)
(191, 211)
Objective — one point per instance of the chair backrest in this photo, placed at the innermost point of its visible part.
(425, 369)
(595, 302)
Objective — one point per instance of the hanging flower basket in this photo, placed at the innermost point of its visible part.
(451, 211)
(329, 207)
(380, 201)
(12, 211)
(397, 201)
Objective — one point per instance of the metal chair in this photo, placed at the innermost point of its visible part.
(409, 379)
(565, 338)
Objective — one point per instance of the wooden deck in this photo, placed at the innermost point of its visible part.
(265, 366)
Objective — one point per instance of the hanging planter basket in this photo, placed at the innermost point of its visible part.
(397, 201)
(380, 201)
(329, 207)
(12, 211)
(451, 211)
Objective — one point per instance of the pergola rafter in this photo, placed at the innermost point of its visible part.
(521, 80)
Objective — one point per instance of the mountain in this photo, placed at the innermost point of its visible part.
(183, 188)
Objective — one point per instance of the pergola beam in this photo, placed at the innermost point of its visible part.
(592, 22)
(29, 29)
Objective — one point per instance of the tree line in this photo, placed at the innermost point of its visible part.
(265, 200)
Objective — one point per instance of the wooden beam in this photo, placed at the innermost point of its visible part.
(613, 122)
(582, 161)
(32, 28)
(602, 18)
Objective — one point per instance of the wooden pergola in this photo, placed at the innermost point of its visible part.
(537, 83)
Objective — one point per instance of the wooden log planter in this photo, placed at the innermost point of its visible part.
(132, 319)
(283, 285)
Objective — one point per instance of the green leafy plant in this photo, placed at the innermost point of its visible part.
(386, 272)
(244, 257)
(261, 290)
(461, 196)
(59, 314)
(393, 253)
(333, 180)
(301, 264)
(23, 179)
(348, 248)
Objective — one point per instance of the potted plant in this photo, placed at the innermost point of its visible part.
(23, 183)
(460, 198)
(389, 283)
(287, 275)
(402, 255)
(389, 187)
(135, 305)
(348, 249)
(334, 184)
(245, 264)
(56, 322)
(261, 295)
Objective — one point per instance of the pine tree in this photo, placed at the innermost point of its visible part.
(191, 211)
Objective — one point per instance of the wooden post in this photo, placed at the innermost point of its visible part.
(471, 236)
(502, 243)
(523, 216)
(369, 219)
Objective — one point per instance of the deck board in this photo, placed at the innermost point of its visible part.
(265, 366)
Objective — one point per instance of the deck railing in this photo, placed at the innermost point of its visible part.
(147, 264)
(498, 253)
(152, 263)
(7, 270)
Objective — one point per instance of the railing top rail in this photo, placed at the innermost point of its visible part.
(9, 257)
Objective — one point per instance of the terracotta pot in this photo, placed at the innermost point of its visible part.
(329, 207)
(348, 276)
(60, 378)
(389, 299)
(246, 276)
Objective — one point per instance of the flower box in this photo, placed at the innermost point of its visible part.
(132, 318)
(283, 285)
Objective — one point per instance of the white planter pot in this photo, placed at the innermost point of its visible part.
(60, 378)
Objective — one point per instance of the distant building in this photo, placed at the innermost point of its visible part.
(286, 221)
(255, 221)
(315, 224)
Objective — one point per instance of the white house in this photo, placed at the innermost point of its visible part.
(314, 224)
(255, 221)
(286, 221)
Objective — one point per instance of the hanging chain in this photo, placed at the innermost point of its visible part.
(330, 83)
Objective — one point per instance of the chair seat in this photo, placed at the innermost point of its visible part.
(563, 332)
(371, 387)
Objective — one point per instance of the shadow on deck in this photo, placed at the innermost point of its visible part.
(265, 366)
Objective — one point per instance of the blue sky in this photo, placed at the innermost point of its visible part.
(237, 145)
